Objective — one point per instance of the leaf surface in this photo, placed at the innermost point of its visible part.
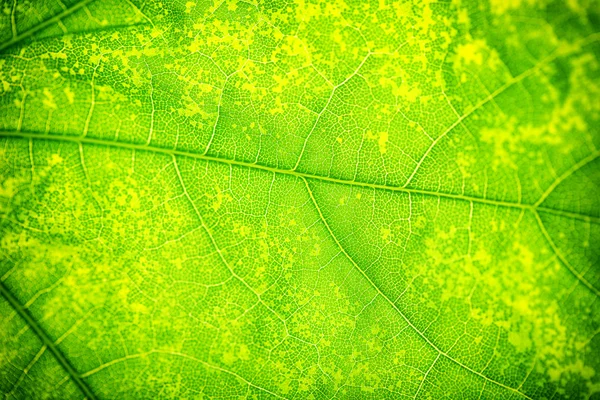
(299, 199)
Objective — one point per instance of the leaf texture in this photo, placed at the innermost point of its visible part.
(299, 199)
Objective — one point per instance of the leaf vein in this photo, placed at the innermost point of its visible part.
(562, 258)
(299, 174)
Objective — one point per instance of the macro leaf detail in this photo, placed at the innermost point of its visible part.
(299, 199)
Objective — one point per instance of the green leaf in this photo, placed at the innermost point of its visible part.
(299, 199)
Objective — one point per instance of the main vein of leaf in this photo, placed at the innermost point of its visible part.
(394, 306)
(33, 30)
(51, 346)
(300, 174)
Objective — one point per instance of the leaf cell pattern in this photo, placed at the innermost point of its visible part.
(299, 199)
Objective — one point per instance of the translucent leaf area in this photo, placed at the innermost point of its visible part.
(299, 199)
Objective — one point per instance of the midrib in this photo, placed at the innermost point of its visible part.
(295, 173)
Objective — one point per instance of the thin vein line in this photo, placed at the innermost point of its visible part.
(326, 106)
(394, 306)
(13, 21)
(299, 174)
(426, 375)
(558, 253)
(582, 163)
(43, 336)
(25, 372)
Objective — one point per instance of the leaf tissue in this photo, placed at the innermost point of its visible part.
(299, 199)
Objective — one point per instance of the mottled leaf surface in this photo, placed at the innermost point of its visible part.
(299, 199)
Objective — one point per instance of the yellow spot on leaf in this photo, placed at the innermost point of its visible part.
(383, 139)
(70, 95)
